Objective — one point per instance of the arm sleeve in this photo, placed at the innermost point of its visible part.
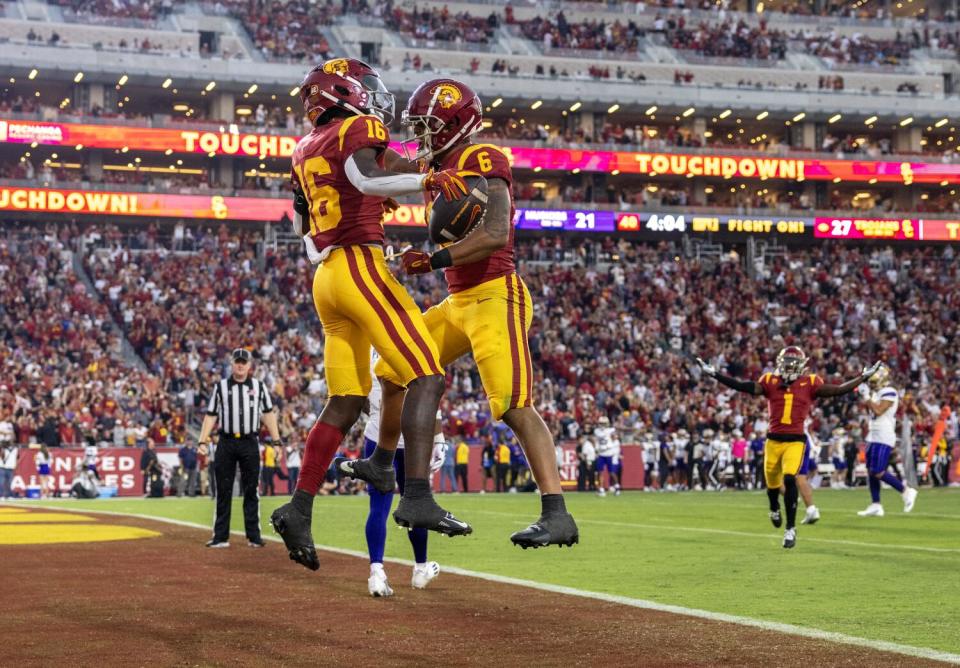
(214, 403)
(383, 186)
(266, 403)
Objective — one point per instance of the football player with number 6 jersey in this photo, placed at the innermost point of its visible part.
(341, 188)
(790, 394)
(489, 309)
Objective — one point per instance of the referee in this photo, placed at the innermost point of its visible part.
(236, 405)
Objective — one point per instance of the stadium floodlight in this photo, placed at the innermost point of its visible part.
(575, 106)
(762, 115)
(613, 108)
(123, 80)
(252, 89)
(651, 111)
(294, 90)
(834, 118)
(33, 74)
(79, 147)
(723, 114)
(166, 83)
(538, 169)
(78, 77)
(210, 86)
(536, 105)
(576, 170)
(799, 117)
(941, 123)
(688, 112)
(870, 121)
(496, 103)
(906, 121)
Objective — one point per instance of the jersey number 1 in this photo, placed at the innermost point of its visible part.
(787, 408)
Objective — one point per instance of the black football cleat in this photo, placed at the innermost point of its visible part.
(425, 513)
(294, 528)
(775, 518)
(555, 529)
(384, 480)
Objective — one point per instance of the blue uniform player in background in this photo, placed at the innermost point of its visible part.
(881, 438)
(423, 571)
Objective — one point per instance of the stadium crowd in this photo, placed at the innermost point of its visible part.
(611, 317)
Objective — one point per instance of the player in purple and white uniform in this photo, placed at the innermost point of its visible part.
(608, 455)
(881, 438)
(376, 528)
(808, 466)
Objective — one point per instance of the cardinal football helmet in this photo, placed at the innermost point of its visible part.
(440, 114)
(349, 84)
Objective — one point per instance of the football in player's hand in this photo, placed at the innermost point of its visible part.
(453, 220)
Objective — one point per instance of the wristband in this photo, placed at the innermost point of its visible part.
(441, 259)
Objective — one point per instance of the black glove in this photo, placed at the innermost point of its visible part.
(300, 203)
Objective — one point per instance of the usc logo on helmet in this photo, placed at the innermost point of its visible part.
(447, 95)
(336, 66)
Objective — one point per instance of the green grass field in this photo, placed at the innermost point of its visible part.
(895, 578)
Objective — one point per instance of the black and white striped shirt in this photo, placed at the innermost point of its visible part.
(239, 406)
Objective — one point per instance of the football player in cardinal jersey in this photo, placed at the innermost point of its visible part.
(790, 394)
(341, 187)
(489, 309)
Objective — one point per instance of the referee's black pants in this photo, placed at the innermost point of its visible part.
(230, 452)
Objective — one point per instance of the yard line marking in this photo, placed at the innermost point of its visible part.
(791, 629)
(752, 534)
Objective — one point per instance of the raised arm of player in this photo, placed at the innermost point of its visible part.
(828, 390)
(878, 407)
(748, 386)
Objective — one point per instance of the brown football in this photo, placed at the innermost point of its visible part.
(452, 221)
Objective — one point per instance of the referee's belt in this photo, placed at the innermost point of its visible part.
(237, 435)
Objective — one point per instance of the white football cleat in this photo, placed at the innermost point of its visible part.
(377, 584)
(789, 538)
(601, 492)
(812, 515)
(873, 510)
(909, 498)
(423, 574)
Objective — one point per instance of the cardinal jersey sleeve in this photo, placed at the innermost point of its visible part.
(359, 132)
(487, 160)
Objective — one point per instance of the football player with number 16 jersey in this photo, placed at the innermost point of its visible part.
(489, 309)
(341, 188)
(790, 394)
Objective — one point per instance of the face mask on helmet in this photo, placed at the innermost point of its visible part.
(420, 130)
(382, 101)
(790, 367)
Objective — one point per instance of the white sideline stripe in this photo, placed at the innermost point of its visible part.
(792, 629)
(751, 534)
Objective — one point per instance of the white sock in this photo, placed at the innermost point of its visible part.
(420, 565)
(376, 567)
